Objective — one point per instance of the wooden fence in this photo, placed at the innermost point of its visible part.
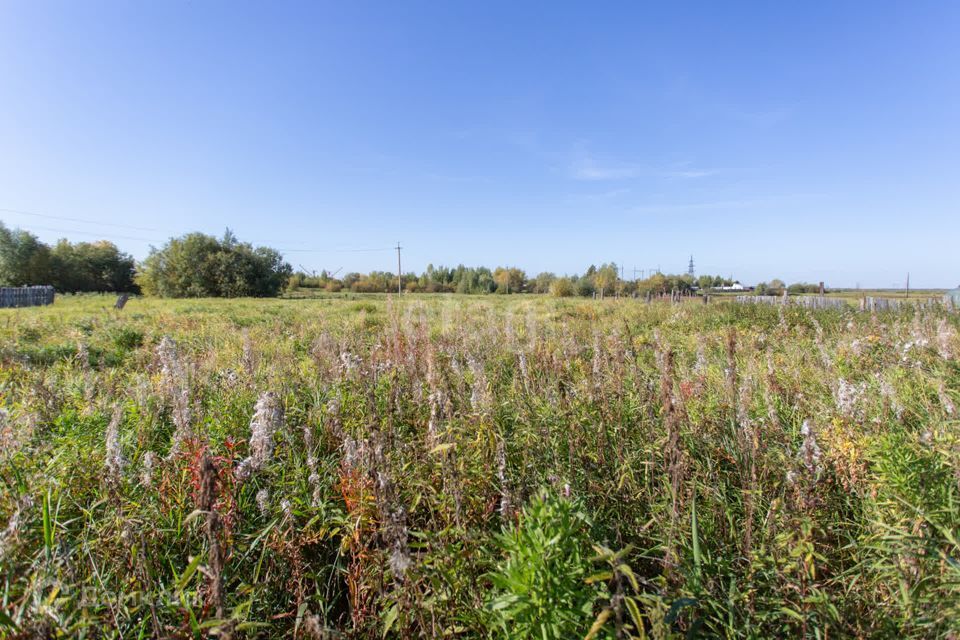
(672, 296)
(759, 299)
(867, 303)
(811, 302)
(26, 296)
(878, 304)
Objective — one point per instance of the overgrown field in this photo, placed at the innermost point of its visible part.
(477, 467)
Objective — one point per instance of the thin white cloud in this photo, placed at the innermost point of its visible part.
(599, 196)
(587, 169)
(612, 193)
(697, 206)
(692, 173)
(744, 203)
(445, 177)
(591, 172)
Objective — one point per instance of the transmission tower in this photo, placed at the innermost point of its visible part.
(690, 270)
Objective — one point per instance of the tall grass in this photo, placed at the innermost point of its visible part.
(477, 467)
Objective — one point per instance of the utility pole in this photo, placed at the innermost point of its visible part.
(399, 281)
(908, 284)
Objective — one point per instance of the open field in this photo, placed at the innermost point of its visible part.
(477, 466)
(895, 294)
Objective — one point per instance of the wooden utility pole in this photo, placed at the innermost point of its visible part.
(399, 280)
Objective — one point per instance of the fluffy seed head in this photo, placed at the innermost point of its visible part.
(267, 420)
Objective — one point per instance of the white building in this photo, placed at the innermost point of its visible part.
(736, 286)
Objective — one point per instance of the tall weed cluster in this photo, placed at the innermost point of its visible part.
(482, 467)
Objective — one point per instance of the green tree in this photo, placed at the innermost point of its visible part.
(584, 286)
(658, 283)
(24, 260)
(541, 284)
(198, 265)
(606, 278)
(92, 266)
(803, 287)
(561, 288)
(509, 279)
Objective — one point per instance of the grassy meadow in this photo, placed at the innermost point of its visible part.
(475, 467)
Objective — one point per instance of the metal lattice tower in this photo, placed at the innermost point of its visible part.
(690, 270)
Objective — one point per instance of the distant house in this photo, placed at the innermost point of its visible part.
(736, 286)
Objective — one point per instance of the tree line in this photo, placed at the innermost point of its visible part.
(596, 281)
(193, 265)
(777, 287)
(200, 265)
(69, 267)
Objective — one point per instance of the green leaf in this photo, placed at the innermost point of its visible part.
(440, 448)
(635, 614)
(188, 572)
(7, 621)
(599, 577)
(677, 606)
(48, 535)
(791, 613)
(389, 619)
(695, 534)
(244, 626)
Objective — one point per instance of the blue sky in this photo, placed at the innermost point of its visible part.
(806, 141)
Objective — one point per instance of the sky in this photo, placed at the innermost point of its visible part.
(803, 141)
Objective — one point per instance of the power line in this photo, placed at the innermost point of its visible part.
(91, 233)
(107, 234)
(336, 250)
(80, 220)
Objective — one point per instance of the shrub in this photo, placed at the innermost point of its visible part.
(584, 287)
(127, 339)
(561, 288)
(198, 265)
(540, 589)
